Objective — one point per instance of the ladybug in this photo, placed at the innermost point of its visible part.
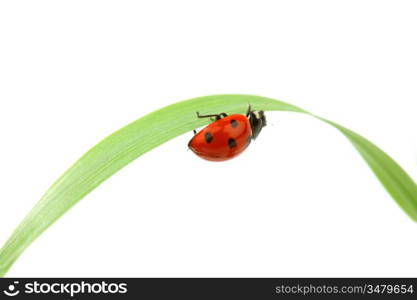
(227, 136)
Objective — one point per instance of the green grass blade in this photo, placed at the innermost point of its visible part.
(152, 130)
(396, 181)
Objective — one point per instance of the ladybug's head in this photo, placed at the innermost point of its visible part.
(257, 121)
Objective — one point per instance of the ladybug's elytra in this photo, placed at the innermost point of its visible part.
(227, 136)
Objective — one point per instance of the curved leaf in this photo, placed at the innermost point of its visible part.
(150, 131)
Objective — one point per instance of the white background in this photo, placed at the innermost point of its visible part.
(299, 202)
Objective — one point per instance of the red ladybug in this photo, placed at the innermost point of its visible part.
(227, 136)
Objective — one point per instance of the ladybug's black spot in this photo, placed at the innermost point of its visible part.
(232, 143)
(234, 123)
(208, 137)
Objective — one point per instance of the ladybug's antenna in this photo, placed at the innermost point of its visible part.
(249, 110)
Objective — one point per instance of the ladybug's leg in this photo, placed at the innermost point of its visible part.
(218, 117)
(195, 132)
(207, 116)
